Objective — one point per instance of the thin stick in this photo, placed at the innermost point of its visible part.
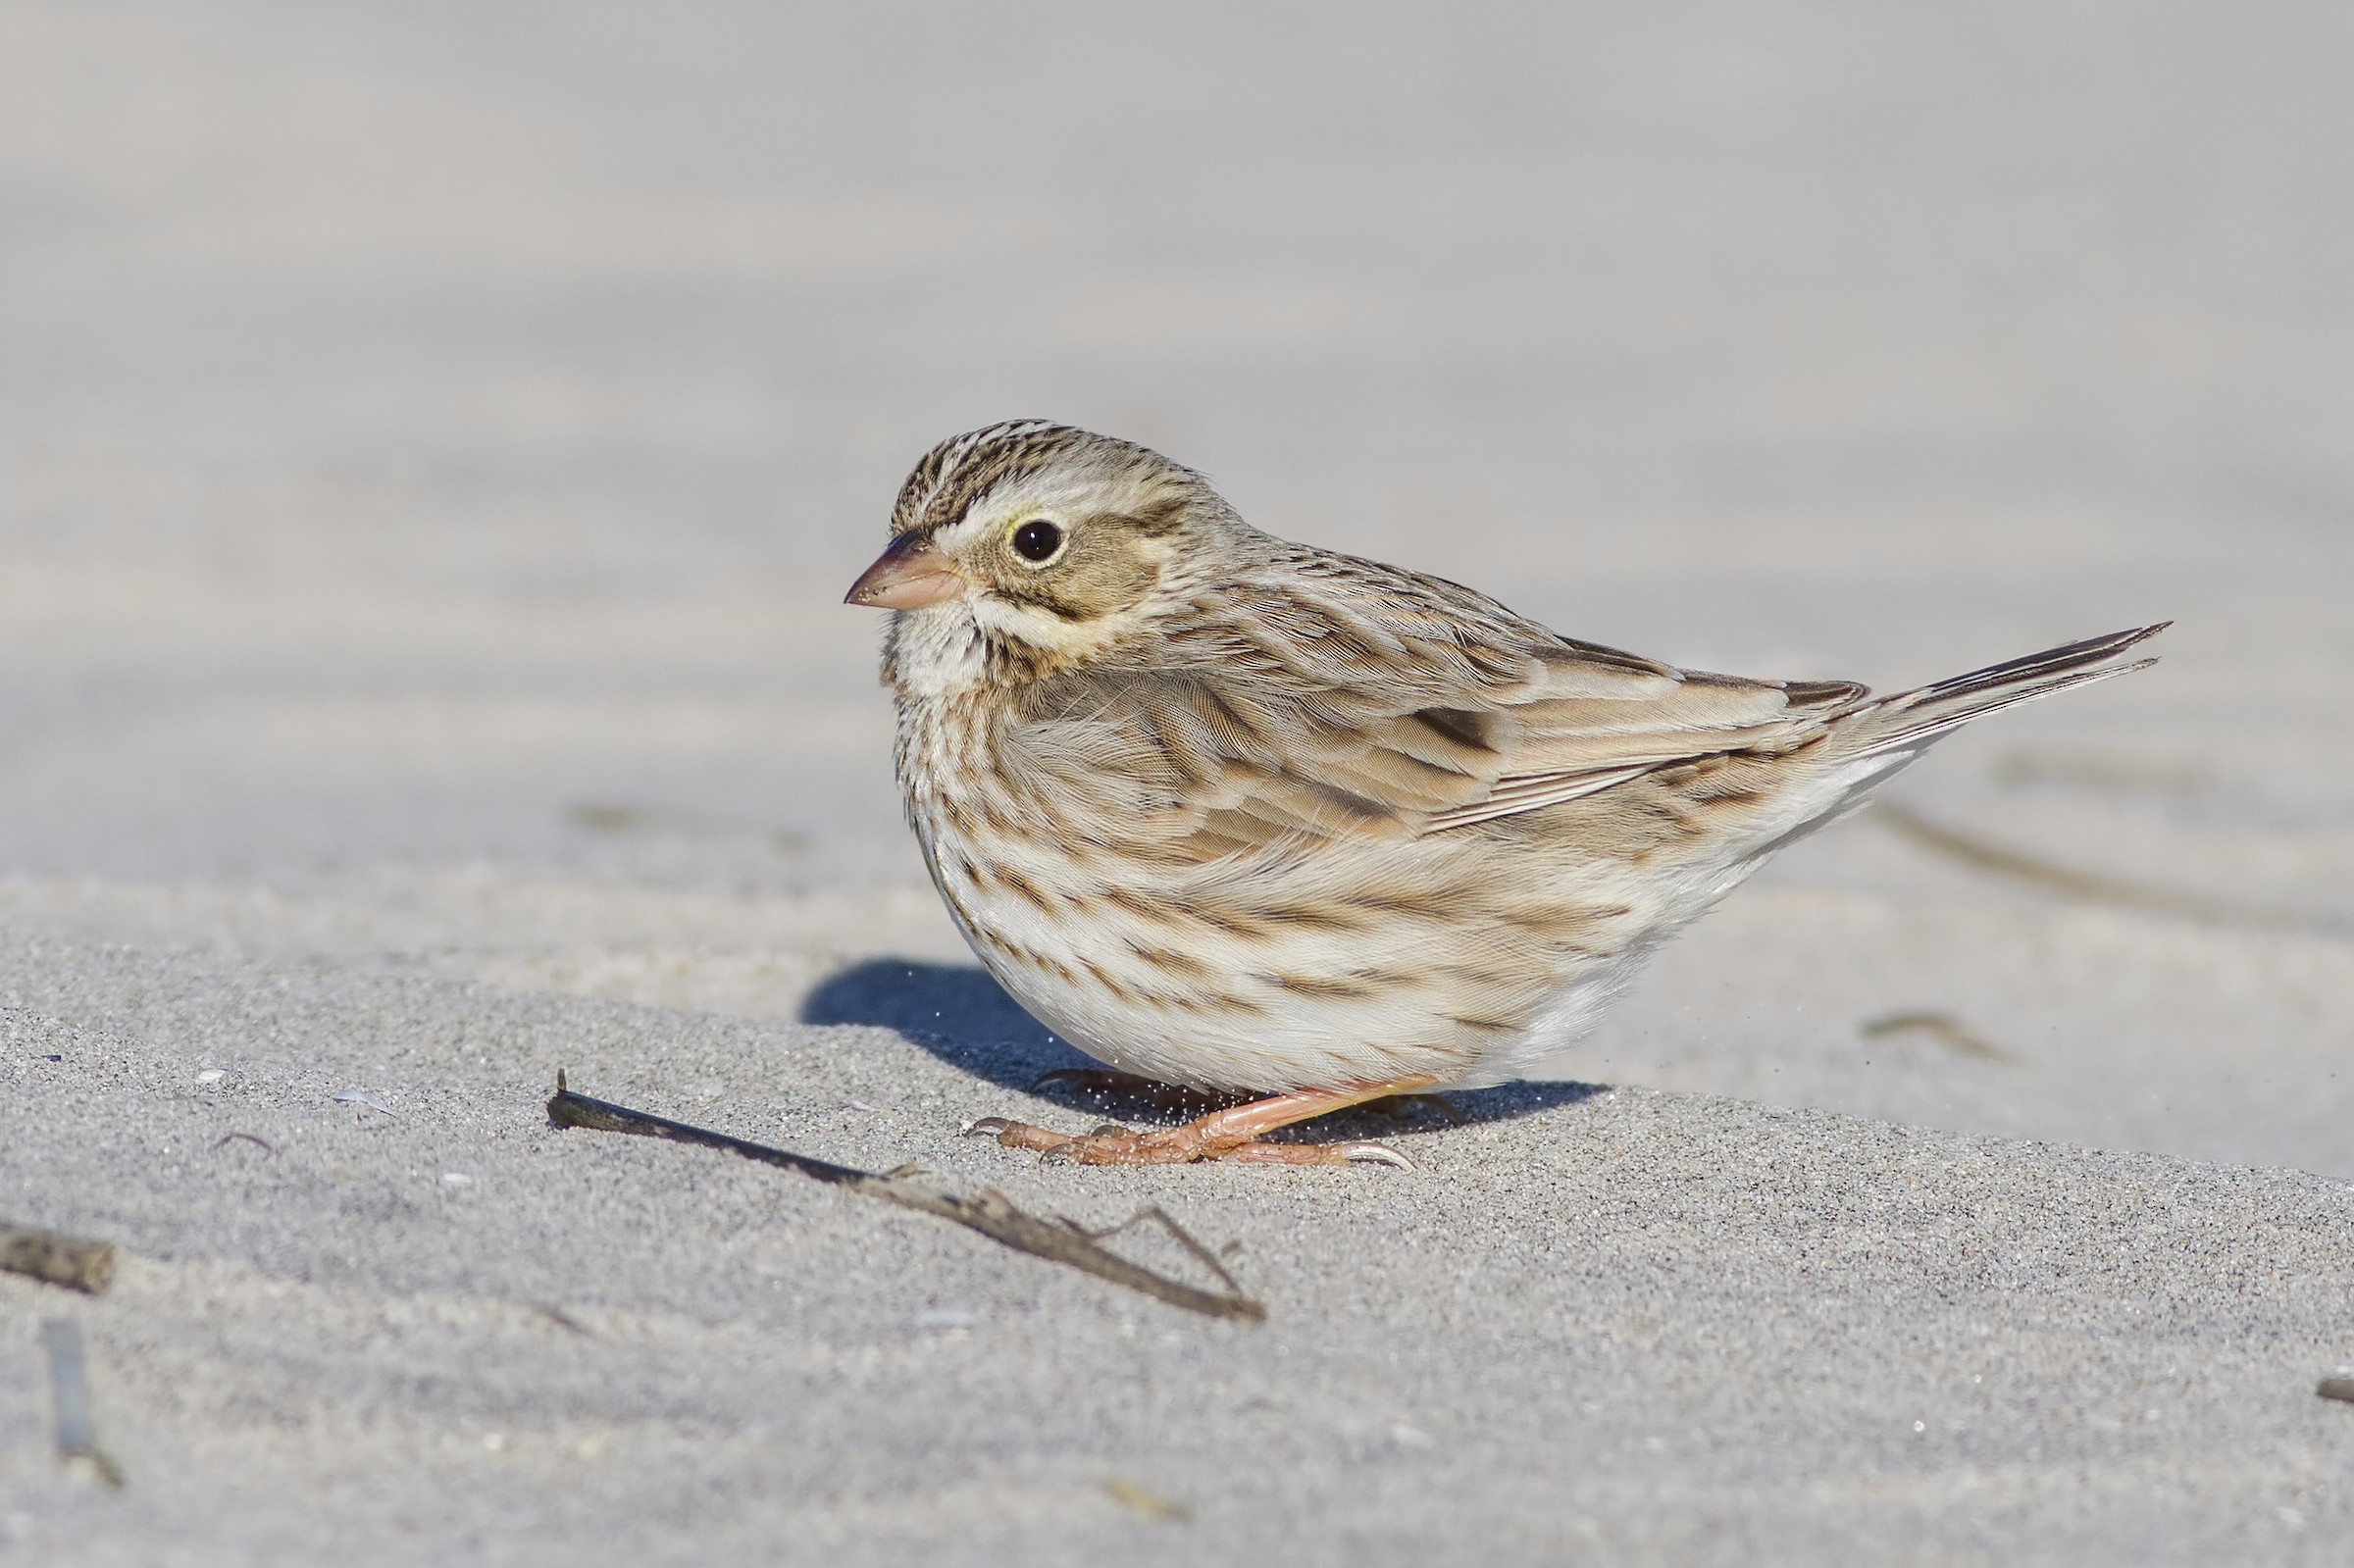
(74, 1261)
(70, 1394)
(2098, 887)
(1177, 1233)
(1943, 1028)
(992, 1213)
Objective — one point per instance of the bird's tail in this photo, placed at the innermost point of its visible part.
(1910, 720)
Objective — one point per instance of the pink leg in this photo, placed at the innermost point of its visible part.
(1228, 1134)
(1101, 1087)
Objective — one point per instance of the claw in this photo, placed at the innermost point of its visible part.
(990, 1126)
(1375, 1154)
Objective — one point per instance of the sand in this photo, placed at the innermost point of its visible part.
(434, 440)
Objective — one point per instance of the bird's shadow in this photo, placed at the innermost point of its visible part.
(965, 1019)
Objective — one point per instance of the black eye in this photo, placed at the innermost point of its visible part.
(1037, 542)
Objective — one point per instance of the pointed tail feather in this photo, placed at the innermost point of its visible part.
(1911, 720)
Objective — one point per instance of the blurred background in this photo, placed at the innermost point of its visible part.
(434, 440)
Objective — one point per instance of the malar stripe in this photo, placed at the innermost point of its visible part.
(1036, 598)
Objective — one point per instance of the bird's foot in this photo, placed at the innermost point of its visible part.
(1229, 1134)
(1173, 1146)
(1101, 1087)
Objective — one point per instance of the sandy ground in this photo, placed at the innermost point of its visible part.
(434, 440)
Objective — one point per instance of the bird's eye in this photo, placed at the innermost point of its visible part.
(1037, 541)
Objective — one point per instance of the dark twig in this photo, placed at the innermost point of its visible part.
(992, 1213)
(2098, 887)
(70, 1393)
(73, 1261)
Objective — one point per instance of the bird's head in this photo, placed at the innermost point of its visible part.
(1027, 547)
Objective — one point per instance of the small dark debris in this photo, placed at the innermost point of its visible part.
(598, 816)
(73, 1261)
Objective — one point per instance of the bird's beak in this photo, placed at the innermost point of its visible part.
(908, 576)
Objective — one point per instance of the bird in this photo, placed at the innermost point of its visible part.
(1304, 830)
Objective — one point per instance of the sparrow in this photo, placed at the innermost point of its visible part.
(1281, 824)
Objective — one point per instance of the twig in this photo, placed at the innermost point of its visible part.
(1177, 1233)
(70, 1393)
(2098, 887)
(992, 1213)
(1943, 1028)
(74, 1261)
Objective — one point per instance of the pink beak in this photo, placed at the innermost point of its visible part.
(908, 576)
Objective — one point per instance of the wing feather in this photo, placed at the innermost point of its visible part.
(1338, 699)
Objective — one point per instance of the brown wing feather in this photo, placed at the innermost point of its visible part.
(1338, 698)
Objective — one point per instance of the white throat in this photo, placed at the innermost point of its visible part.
(938, 651)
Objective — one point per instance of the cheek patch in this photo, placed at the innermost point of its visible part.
(1103, 569)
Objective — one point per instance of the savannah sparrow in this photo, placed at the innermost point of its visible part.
(1238, 814)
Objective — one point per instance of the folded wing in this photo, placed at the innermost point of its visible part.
(1341, 700)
